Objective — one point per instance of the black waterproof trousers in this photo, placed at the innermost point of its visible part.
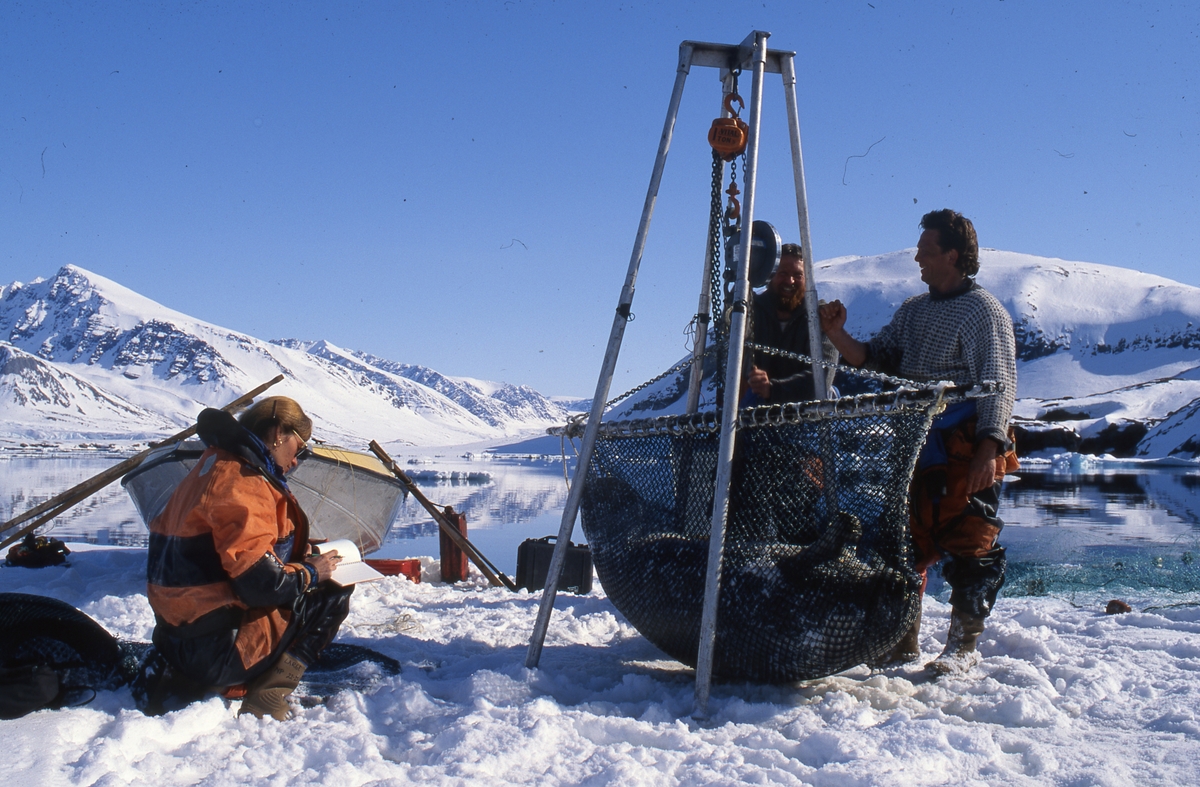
(212, 659)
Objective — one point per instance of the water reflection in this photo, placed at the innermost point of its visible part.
(1117, 529)
(506, 501)
(107, 517)
(1137, 528)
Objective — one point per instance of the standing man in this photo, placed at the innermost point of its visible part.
(779, 319)
(961, 333)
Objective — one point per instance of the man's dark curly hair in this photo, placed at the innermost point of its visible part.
(955, 231)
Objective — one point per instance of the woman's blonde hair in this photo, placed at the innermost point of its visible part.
(276, 411)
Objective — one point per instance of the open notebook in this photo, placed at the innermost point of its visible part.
(351, 570)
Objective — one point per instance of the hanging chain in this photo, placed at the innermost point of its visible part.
(733, 220)
(989, 389)
(733, 214)
(716, 291)
(712, 318)
(650, 382)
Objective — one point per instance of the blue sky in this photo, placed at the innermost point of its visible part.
(459, 184)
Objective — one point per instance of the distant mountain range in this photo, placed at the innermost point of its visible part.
(1108, 362)
(1108, 358)
(83, 358)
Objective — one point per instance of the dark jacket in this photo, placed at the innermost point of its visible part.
(791, 381)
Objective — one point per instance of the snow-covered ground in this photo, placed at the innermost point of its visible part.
(1066, 695)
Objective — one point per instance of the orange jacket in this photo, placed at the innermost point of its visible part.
(226, 553)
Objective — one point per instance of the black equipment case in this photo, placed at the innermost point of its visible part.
(533, 565)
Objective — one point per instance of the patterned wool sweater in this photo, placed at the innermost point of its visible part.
(965, 336)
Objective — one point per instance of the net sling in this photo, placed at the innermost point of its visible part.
(817, 573)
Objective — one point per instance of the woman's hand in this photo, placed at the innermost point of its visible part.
(324, 563)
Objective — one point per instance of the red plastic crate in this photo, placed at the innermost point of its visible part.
(410, 567)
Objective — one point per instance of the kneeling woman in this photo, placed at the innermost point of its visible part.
(238, 598)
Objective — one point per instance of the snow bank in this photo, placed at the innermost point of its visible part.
(1065, 695)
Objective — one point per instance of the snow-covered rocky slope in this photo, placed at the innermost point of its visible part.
(1108, 362)
(83, 358)
(1108, 358)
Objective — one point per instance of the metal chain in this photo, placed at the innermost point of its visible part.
(731, 226)
(713, 253)
(726, 280)
(716, 299)
(985, 389)
(866, 373)
(578, 419)
(728, 229)
(930, 397)
(652, 381)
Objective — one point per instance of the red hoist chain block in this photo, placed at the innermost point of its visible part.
(728, 136)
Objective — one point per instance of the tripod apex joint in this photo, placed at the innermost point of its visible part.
(730, 57)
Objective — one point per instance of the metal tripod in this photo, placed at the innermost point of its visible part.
(752, 54)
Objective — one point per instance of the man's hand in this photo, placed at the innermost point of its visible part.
(833, 325)
(324, 563)
(833, 317)
(982, 472)
(760, 383)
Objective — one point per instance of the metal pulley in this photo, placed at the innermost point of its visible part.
(766, 248)
(729, 135)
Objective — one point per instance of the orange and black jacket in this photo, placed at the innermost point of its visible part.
(226, 553)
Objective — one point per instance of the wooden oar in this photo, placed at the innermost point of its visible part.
(493, 574)
(51, 508)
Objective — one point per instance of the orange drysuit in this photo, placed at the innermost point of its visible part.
(224, 520)
(947, 522)
(225, 570)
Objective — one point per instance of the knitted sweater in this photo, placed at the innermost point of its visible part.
(965, 336)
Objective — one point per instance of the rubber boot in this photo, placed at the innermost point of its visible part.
(906, 651)
(267, 694)
(157, 689)
(960, 654)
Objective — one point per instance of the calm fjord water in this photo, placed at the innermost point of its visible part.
(1066, 531)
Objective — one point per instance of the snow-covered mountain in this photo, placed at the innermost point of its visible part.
(1108, 358)
(1108, 362)
(82, 357)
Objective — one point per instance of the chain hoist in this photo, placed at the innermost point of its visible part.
(729, 135)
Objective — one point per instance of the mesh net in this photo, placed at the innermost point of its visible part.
(817, 567)
(39, 629)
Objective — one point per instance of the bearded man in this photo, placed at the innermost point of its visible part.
(779, 319)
